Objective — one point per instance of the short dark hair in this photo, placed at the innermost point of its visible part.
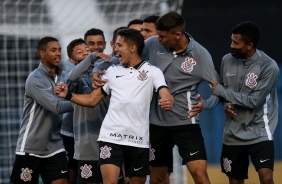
(115, 33)
(72, 44)
(151, 19)
(42, 44)
(94, 32)
(133, 37)
(171, 21)
(249, 32)
(135, 21)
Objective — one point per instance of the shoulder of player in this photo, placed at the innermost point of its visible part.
(113, 69)
(36, 75)
(152, 40)
(149, 66)
(114, 66)
(153, 44)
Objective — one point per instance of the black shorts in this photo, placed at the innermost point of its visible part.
(136, 160)
(69, 147)
(235, 159)
(28, 168)
(88, 172)
(188, 139)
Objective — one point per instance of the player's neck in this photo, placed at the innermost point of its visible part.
(134, 61)
(182, 44)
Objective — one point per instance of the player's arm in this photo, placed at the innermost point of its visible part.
(84, 65)
(209, 74)
(36, 89)
(167, 101)
(87, 100)
(267, 82)
(97, 82)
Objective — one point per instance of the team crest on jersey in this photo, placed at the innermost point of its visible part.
(86, 171)
(152, 154)
(251, 80)
(227, 164)
(105, 152)
(188, 64)
(26, 174)
(143, 75)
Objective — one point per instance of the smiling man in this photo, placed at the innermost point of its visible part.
(95, 40)
(149, 27)
(77, 51)
(40, 149)
(124, 135)
(185, 64)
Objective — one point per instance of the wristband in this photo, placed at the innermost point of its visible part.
(68, 96)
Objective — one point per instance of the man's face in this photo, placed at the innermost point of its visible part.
(96, 43)
(123, 50)
(167, 39)
(239, 49)
(148, 30)
(79, 53)
(138, 27)
(51, 55)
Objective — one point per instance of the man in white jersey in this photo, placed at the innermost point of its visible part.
(124, 135)
(185, 64)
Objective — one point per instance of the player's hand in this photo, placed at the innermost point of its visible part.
(97, 82)
(61, 90)
(197, 108)
(103, 56)
(166, 104)
(213, 85)
(229, 110)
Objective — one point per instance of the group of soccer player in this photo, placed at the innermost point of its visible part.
(115, 118)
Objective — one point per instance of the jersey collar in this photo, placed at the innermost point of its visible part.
(136, 66)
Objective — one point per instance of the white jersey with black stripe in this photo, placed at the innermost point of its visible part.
(131, 89)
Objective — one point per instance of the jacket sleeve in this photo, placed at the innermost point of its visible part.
(44, 95)
(148, 47)
(209, 74)
(267, 82)
(81, 68)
